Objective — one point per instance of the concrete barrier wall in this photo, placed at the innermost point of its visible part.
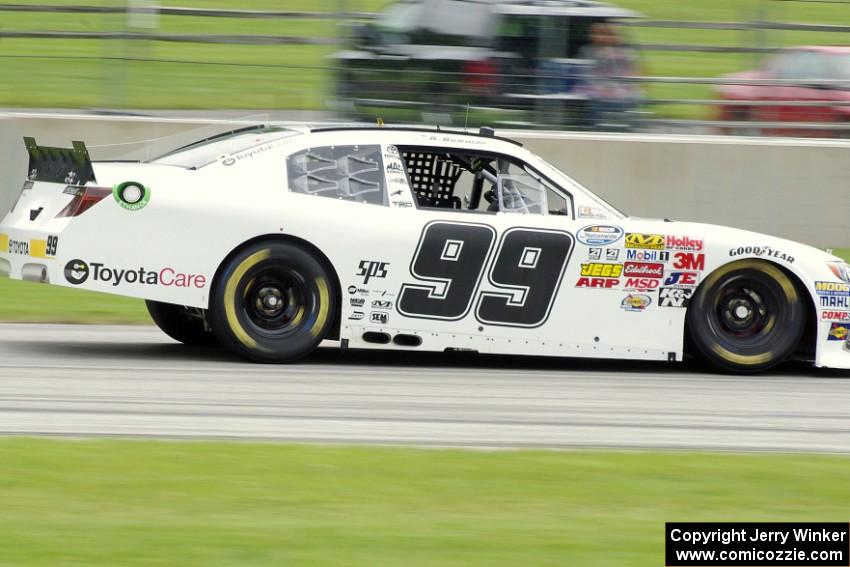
(797, 189)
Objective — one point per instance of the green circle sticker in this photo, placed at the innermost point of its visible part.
(131, 195)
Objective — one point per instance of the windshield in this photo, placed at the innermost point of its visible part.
(210, 149)
(568, 183)
(841, 65)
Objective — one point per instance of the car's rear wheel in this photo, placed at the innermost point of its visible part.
(746, 317)
(182, 324)
(273, 302)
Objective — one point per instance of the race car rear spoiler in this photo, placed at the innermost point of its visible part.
(59, 165)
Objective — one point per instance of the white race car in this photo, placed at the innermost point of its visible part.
(270, 240)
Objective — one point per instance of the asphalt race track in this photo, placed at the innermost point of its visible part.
(133, 381)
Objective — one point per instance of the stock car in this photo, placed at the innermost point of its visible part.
(269, 241)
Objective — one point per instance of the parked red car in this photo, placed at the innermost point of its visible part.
(809, 75)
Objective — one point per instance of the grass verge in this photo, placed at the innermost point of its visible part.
(112, 502)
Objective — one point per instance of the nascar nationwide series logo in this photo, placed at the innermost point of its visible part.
(78, 272)
(645, 241)
(599, 235)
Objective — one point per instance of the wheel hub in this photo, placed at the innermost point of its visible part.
(743, 312)
(270, 301)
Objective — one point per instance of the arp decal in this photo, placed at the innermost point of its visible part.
(450, 260)
(645, 241)
(599, 235)
(601, 283)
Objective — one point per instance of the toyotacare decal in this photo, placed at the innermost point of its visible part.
(79, 271)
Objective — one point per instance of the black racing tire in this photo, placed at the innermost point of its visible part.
(746, 317)
(180, 324)
(273, 302)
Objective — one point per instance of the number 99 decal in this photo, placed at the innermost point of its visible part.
(450, 261)
(529, 266)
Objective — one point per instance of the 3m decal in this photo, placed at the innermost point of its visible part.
(368, 269)
(645, 241)
(602, 270)
(450, 260)
(689, 261)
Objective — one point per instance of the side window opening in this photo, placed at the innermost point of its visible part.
(479, 183)
(351, 173)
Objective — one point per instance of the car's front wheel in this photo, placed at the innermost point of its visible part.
(183, 324)
(746, 317)
(273, 302)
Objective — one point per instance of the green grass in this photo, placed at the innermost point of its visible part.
(297, 77)
(27, 302)
(116, 503)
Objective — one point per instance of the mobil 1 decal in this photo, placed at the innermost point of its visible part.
(526, 271)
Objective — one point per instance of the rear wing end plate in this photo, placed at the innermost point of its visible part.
(71, 166)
